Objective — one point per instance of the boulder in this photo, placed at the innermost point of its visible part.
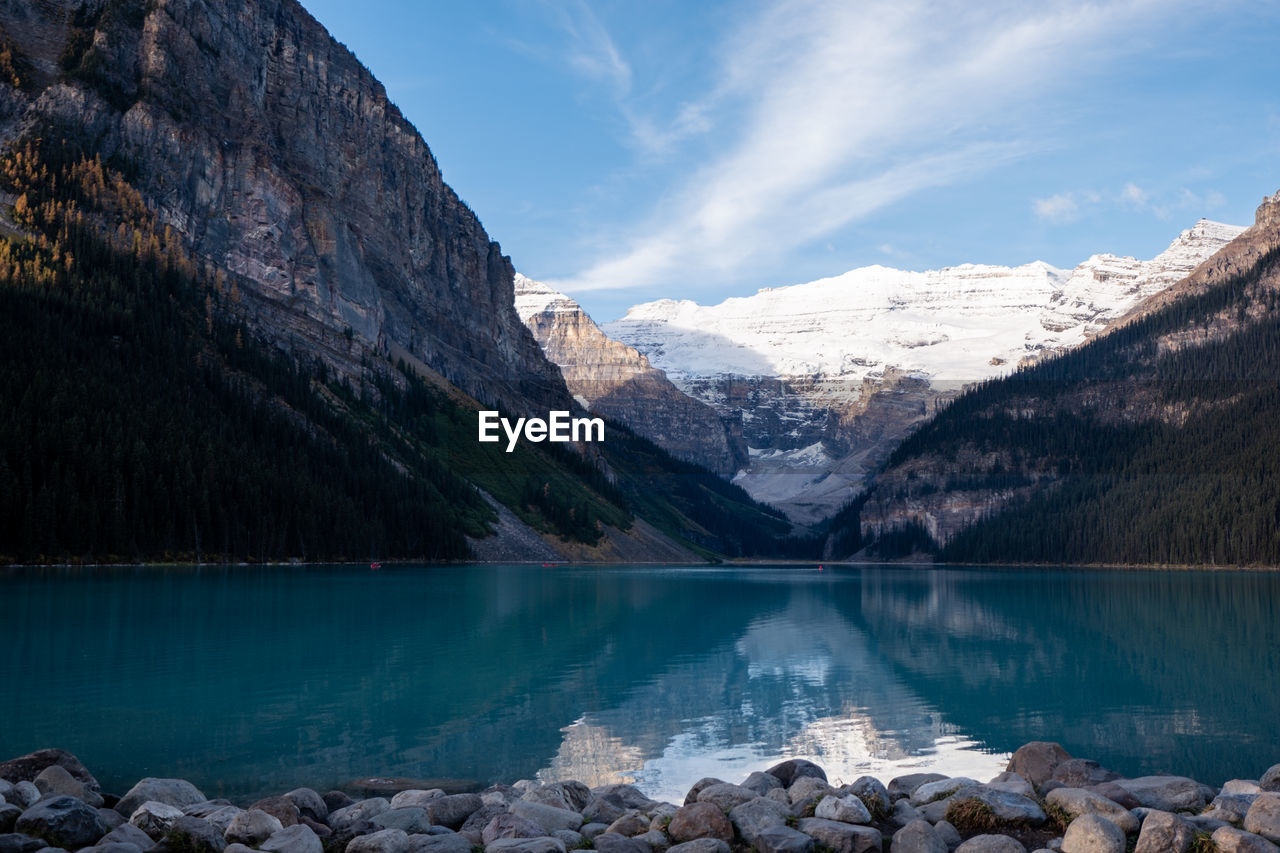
(1013, 784)
(873, 794)
(797, 768)
(382, 841)
(298, 838)
(109, 847)
(1081, 773)
(700, 820)
(526, 845)
(1263, 817)
(904, 813)
(56, 779)
(1228, 839)
(591, 830)
(341, 836)
(1037, 760)
(190, 834)
(702, 784)
(24, 794)
(847, 809)
(27, 767)
(839, 837)
(1093, 834)
(62, 821)
(450, 842)
(1231, 808)
(1163, 832)
(917, 837)
(949, 834)
(1076, 802)
(611, 842)
(412, 820)
(701, 845)
(16, 842)
(171, 792)
(573, 796)
(549, 818)
(417, 798)
(726, 796)
(630, 824)
(627, 797)
(127, 833)
(8, 817)
(310, 803)
(782, 839)
(753, 817)
(902, 787)
(1006, 807)
(932, 792)
(364, 810)
(1270, 781)
(761, 782)
(252, 827)
(1166, 793)
(281, 808)
(574, 840)
(335, 800)
(991, 844)
(1115, 794)
(808, 788)
(510, 826)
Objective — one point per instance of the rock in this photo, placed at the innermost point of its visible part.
(1270, 781)
(627, 796)
(510, 826)
(1166, 793)
(335, 800)
(1081, 773)
(23, 794)
(549, 818)
(1241, 786)
(382, 841)
(281, 808)
(1115, 794)
(570, 795)
(1036, 761)
(238, 848)
(847, 809)
(411, 820)
(1206, 825)
(840, 837)
(1076, 802)
(450, 842)
(127, 833)
(473, 826)
(190, 834)
(931, 792)
(602, 811)
(1263, 817)
(750, 818)
(779, 795)
(342, 835)
(298, 838)
(701, 820)
(797, 768)
(526, 845)
(1231, 808)
(155, 818)
(55, 779)
(702, 784)
(917, 837)
(782, 839)
(1164, 833)
(991, 844)
(761, 782)
(949, 834)
(27, 767)
(16, 842)
(808, 788)
(591, 830)
(417, 798)
(110, 847)
(873, 794)
(1091, 833)
(630, 824)
(252, 827)
(611, 842)
(171, 792)
(222, 816)
(311, 804)
(901, 787)
(573, 840)
(1228, 839)
(1006, 807)
(726, 796)
(1013, 784)
(62, 821)
(5, 787)
(904, 813)
(8, 817)
(452, 810)
(364, 810)
(112, 818)
(701, 845)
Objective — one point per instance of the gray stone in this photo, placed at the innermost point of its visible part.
(991, 844)
(473, 826)
(1231, 807)
(298, 838)
(362, 810)
(1036, 761)
(194, 835)
(873, 794)
(797, 768)
(779, 795)
(1166, 793)
(1240, 786)
(572, 840)
(1203, 823)
(221, 817)
(752, 818)
(566, 795)
(62, 821)
(761, 782)
(726, 796)
(949, 834)
(591, 830)
(336, 800)
(1115, 794)
(281, 808)
(5, 787)
(612, 842)
(411, 820)
(630, 824)
(931, 792)
(127, 833)
(626, 796)
(416, 798)
(701, 845)
(1270, 780)
(510, 826)
(341, 836)
(449, 842)
(111, 847)
(8, 817)
(252, 827)
(1228, 839)
(937, 810)
(526, 845)
(1163, 832)
(1081, 773)
(1008, 808)
(1263, 817)
(847, 809)
(171, 792)
(917, 837)
(603, 811)
(840, 837)
(901, 787)
(55, 779)
(549, 818)
(16, 842)
(904, 813)
(1012, 783)
(656, 839)
(698, 787)
(382, 841)
(701, 820)
(27, 767)
(311, 804)
(808, 788)
(1091, 833)
(1076, 802)
(23, 794)
(782, 839)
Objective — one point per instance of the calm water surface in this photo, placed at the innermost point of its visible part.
(256, 680)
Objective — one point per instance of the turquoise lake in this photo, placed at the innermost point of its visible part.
(251, 680)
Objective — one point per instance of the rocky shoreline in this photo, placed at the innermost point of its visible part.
(1045, 801)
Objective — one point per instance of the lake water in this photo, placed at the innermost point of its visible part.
(251, 680)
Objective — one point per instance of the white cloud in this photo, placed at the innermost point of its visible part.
(1057, 208)
(590, 50)
(1071, 205)
(847, 108)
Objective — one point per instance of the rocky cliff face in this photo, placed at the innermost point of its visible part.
(614, 380)
(829, 376)
(278, 157)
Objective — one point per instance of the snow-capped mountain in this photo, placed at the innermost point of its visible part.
(828, 376)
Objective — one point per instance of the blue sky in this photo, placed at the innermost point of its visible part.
(631, 151)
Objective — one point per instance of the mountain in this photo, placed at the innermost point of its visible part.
(1154, 443)
(829, 376)
(614, 380)
(244, 317)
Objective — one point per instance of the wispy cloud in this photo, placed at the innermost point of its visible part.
(1072, 205)
(843, 109)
